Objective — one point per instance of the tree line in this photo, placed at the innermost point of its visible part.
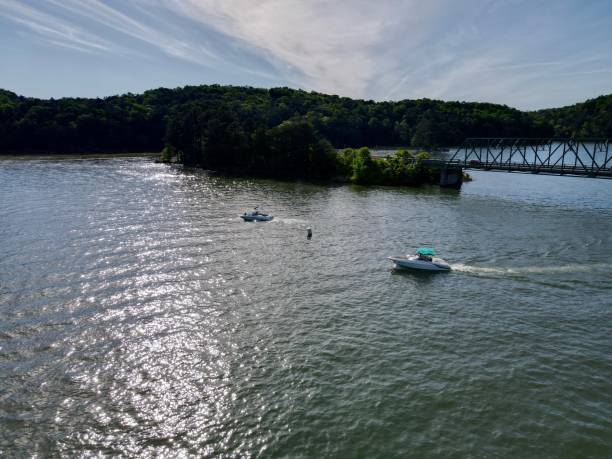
(226, 126)
(232, 137)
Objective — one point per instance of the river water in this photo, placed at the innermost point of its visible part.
(139, 316)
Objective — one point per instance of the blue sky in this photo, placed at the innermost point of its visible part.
(527, 54)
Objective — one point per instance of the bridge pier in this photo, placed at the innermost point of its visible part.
(451, 177)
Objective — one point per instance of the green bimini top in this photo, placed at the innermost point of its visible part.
(426, 251)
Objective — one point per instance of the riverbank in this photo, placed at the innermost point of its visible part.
(413, 179)
(25, 157)
(352, 166)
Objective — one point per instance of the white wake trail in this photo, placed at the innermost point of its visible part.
(505, 271)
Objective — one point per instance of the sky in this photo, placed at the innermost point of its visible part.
(526, 54)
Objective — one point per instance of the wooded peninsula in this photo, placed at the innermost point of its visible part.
(278, 132)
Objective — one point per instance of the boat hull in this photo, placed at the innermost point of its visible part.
(436, 264)
(256, 218)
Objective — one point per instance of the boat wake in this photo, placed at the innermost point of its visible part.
(525, 270)
(291, 221)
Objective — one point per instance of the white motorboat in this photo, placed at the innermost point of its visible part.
(423, 260)
(256, 216)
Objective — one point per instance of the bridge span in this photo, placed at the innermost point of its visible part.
(580, 157)
(555, 156)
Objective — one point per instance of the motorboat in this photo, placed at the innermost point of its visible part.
(424, 259)
(256, 216)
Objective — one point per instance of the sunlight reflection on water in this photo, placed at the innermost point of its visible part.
(140, 316)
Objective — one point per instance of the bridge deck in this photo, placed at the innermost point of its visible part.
(581, 157)
(518, 167)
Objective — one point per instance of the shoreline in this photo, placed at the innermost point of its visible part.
(336, 180)
(75, 156)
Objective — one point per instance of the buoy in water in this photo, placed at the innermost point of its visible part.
(309, 233)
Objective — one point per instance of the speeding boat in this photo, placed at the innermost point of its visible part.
(424, 259)
(256, 216)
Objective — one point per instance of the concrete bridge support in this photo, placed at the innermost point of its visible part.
(451, 177)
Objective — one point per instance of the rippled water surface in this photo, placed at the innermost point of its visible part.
(140, 316)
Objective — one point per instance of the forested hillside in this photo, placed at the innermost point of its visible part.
(138, 122)
(592, 118)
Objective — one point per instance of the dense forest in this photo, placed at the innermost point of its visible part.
(139, 122)
(592, 118)
(277, 132)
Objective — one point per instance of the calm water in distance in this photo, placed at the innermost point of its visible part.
(140, 316)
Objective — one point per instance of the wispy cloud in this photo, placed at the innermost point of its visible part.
(51, 28)
(114, 19)
(324, 45)
(508, 51)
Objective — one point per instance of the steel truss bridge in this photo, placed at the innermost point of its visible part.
(582, 157)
